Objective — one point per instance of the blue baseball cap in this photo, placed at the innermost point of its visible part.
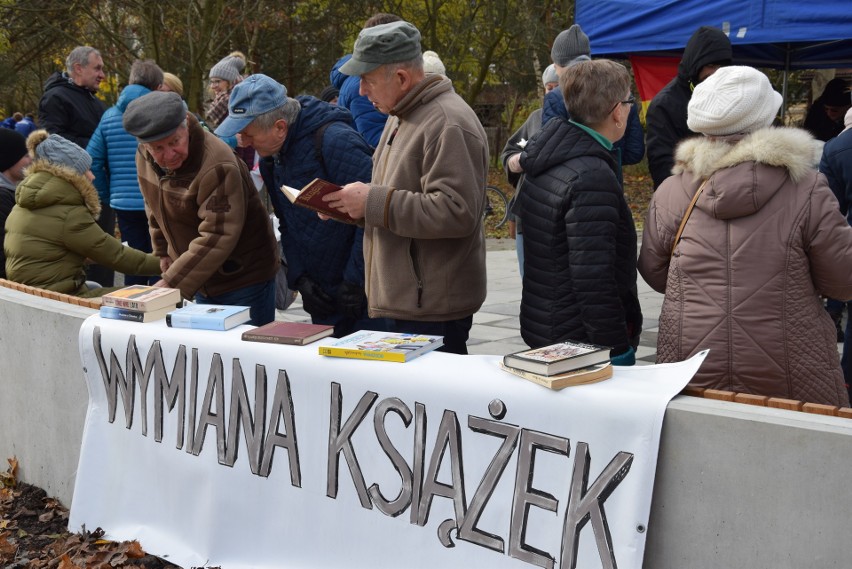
(255, 95)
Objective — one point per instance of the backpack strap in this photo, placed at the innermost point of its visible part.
(318, 136)
(686, 217)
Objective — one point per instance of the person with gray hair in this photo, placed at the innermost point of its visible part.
(579, 237)
(743, 238)
(207, 223)
(424, 246)
(113, 153)
(299, 139)
(69, 107)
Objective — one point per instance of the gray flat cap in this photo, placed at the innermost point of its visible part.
(387, 43)
(154, 116)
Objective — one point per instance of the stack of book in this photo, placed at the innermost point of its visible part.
(139, 303)
(561, 365)
(381, 346)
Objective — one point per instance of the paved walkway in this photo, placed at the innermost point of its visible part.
(496, 328)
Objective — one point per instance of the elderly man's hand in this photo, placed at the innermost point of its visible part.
(351, 199)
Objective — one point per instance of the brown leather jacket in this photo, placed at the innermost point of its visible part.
(765, 239)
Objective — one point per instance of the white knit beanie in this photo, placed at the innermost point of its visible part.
(733, 100)
(549, 75)
(432, 63)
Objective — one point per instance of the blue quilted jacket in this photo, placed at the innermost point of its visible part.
(326, 251)
(368, 121)
(113, 153)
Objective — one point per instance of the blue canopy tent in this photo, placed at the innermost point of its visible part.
(780, 34)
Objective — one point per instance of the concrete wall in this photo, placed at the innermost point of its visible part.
(743, 486)
(737, 486)
(43, 396)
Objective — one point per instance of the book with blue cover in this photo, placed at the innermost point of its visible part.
(208, 316)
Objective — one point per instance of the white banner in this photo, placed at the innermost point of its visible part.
(214, 451)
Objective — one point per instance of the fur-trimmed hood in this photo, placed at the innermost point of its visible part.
(744, 175)
(790, 148)
(48, 184)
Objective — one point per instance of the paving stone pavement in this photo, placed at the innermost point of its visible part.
(496, 327)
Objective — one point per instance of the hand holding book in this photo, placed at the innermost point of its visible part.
(343, 203)
(350, 199)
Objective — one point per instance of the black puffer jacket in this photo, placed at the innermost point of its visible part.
(579, 243)
(666, 117)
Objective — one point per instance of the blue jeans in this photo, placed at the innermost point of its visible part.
(133, 226)
(455, 332)
(260, 298)
(519, 248)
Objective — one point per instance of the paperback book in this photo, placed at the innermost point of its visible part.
(311, 196)
(582, 376)
(558, 358)
(293, 333)
(115, 313)
(382, 346)
(142, 297)
(208, 316)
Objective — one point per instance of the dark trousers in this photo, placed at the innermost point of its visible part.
(98, 273)
(846, 358)
(260, 298)
(455, 332)
(133, 226)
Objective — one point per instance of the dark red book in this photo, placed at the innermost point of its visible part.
(293, 333)
(311, 197)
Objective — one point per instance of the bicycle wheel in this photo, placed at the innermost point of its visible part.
(496, 206)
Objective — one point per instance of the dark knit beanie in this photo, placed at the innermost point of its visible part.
(329, 93)
(569, 45)
(13, 147)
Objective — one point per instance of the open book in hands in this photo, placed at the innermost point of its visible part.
(311, 197)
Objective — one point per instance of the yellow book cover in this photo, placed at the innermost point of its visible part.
(381, 346)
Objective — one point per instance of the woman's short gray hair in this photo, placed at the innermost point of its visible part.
(592, 88)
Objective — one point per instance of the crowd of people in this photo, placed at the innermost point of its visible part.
(746, 235)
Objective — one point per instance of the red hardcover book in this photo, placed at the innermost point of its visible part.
(311, 197)
(293, 333)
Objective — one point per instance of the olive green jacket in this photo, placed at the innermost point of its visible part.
(51, 232)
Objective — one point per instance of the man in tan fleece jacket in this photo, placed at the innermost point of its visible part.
(424, 247)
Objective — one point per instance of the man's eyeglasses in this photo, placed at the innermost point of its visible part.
(630, 100)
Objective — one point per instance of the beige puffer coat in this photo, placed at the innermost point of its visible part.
(765, 239)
